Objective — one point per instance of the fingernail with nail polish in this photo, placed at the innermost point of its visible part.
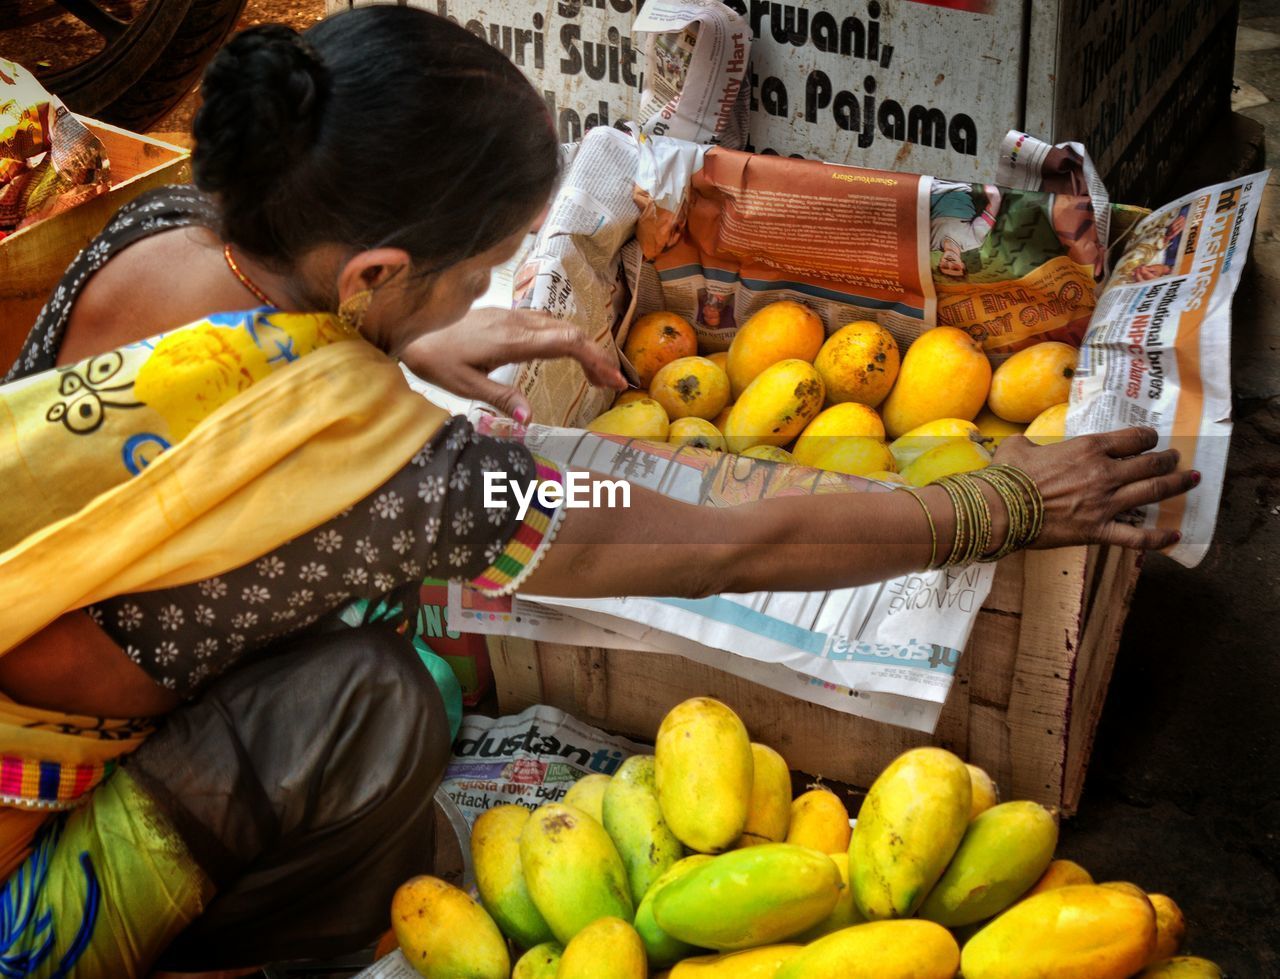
(521, 415)
(1195, 477)
(1177, 536)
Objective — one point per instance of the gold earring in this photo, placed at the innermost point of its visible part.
(352, 310)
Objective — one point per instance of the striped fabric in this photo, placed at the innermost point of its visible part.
(528, 543)
(29, 784)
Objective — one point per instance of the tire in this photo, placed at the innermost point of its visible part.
(137, 79)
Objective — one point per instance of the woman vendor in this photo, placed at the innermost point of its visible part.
(201, 770)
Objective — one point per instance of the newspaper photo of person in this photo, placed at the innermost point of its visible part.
(1155, 254)
(715, 310)
(960, 218)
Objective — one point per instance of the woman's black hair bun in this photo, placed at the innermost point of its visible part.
(263, 100)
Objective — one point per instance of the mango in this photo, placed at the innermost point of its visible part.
(587, 794)
(1033, 379)
(1080, 932)
(703, 770)
(1171, 926)
(660, 948)
(776, 407)
(780, 331)
(691, 387)
(1060, 873)
(656, 340)
(626, 397)
(945, 374)
(573, 870)
(721, 359)
(753, 963)
(1004, 852)
(847, 419)
(769, 811)
(884, 476)
(820, 821)
(859, 363)
(608, 948)
(911, 446)
(856, 456)
(1182, 967)
(643, 419)
(991, 426)
(495, 853)
(845, 914)
(1125, 887)
(633, 820)
(1049, 426)
(755, 896)
(444, 934)
(697, 433)
(878, 950)
(770, 453)
(984, 791)
(540, 962)
(908, 828)
(946, 460)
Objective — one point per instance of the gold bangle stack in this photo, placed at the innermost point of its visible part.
(1023, 502)
(973, 520)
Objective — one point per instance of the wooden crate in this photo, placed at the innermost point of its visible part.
(33, 260)
(1024, 705)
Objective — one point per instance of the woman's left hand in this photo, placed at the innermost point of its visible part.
(460, 357)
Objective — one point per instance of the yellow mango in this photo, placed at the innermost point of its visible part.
(691, 387)
(444, 934)
(608, 948)
(1061, 873)
(859, 363)
(1171, 926)
(912, 445)
(884, 476)
(845, 914)
(1182, 967)
(854, 456)
(780, 331)
(659, 947)
(755, 896)
(697, 433)
(842, 420)
(770, 453)
(908, 828)
(769, 812)
(722, 419)
(946, 460)
(573, 870)
(1125, 887)
(776, 407)
(1033, 379)
(984, 791)
(878, 950)
(587, 794)
(753, 963)
(495, 853)
(540, 962)
(945, 374)
(643, 419)
(721, 359)
(657, 339)
(1080, 932)
(633, 820)
(992, 426)
(1049, 426)
(703, 770)
(820, 821)
(626, 397)
(1004, 852)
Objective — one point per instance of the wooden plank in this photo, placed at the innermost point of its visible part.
(517, 678)
(1006, 589)
(989, 745)
(992, 653)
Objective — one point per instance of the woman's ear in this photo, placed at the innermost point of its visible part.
(371, 270)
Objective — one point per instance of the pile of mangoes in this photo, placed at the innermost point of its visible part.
(786, 392)
(696, 863)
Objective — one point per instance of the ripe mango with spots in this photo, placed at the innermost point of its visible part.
(842, 420)
(1171, 926)
(945, 374)
(573, 870)
(781, 331)
(845, 914)
(878, 950)
(985, 794)
(633, 820)
(946, 460)
(495, 853)
(444, 934)
(1049, 426)
(657, 339)
(626, 397)
(1004, 852)
(753, 963)
(1033, 379)
(820, 821)
(908, 448)
(859, 363)
(755, 896)
(659, 947)
(776, 407)
(1182, 967)
(994, 428)
(769, 811)
(540, 962)
(853, 456)
(1060, 873)
(608, 948)
(770, 453)
(703, 769)
(908, 828)
(1080, 932)
(697, 433)
(642, 419)
(587, 794)
(691, 387)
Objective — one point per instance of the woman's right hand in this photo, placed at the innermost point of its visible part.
(1089, 480)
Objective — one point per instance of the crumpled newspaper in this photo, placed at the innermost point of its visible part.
(49, 161)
